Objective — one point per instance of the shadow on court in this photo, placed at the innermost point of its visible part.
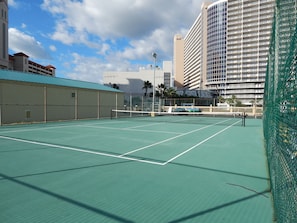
(69, 169)
(66, 199)
(216, 208)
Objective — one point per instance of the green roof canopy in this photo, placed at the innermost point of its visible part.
(47, 80)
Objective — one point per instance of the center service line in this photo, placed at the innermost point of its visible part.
(200, 143)
(172, 138)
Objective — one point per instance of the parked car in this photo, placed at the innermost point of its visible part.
(179, 110)
(193, 109)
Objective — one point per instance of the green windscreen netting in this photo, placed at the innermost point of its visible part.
(280, 111)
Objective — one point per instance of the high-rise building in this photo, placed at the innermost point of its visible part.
(178, 60)
(226, 49)
(195, 52)
(216, 46)
(3, 34)
(248, 40)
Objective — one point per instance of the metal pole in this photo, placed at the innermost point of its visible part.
(45, 104)
(153, 104)
(0, 116)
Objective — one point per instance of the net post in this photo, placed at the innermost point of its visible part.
(0, 116)
(243, 119)
(111, 113)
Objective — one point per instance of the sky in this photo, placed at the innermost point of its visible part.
(84, 38)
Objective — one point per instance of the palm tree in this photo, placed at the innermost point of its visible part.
(170, 92)
(232, 100)
(115, 86)
(161, 89)
(221, 99)
(146, 86)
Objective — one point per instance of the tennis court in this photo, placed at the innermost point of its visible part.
(134, 170)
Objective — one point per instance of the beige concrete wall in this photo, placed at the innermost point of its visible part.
(26, 103)
(87, 104)
(21, 103)
(60, 103)
(107, 102)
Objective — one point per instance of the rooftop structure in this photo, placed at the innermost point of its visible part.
(132, 82)
(21, 62)
(18, 61)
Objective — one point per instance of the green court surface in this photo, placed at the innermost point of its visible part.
(129, 170)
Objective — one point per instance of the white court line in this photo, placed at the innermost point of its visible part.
(24, 129)
(80, 150)
(172, 138)
(140, 126)
(123, 155)
(100, 122)
(200, 143)
(35, 129)
(90, 126)
(130, 129)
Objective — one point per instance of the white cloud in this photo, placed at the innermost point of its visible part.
(21, 42)
(53, 48)
(136, 19)
(104, 49)
(91, 68)
(86, 68)
(146, 25)
(133, 19)
(12, 3)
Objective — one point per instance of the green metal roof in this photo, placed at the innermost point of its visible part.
(47, 80)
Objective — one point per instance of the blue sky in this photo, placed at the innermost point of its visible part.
(84, 38)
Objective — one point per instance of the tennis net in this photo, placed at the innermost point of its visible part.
(202, 118)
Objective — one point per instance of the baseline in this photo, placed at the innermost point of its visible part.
(79, 150)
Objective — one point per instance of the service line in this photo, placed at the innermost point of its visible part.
(169, 139)
(200, 143)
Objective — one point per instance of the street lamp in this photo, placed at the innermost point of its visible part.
(153, 104)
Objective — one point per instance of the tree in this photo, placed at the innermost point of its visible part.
(115, 86)
(170, 92)
(255, 102)
(161, 90)
(221, 99)
(232, 100)
(146, 86)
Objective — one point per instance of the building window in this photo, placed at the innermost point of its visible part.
(4, 41)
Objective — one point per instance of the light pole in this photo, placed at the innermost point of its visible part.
(154, 90)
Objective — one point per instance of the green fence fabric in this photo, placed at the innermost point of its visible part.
(280, 115)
